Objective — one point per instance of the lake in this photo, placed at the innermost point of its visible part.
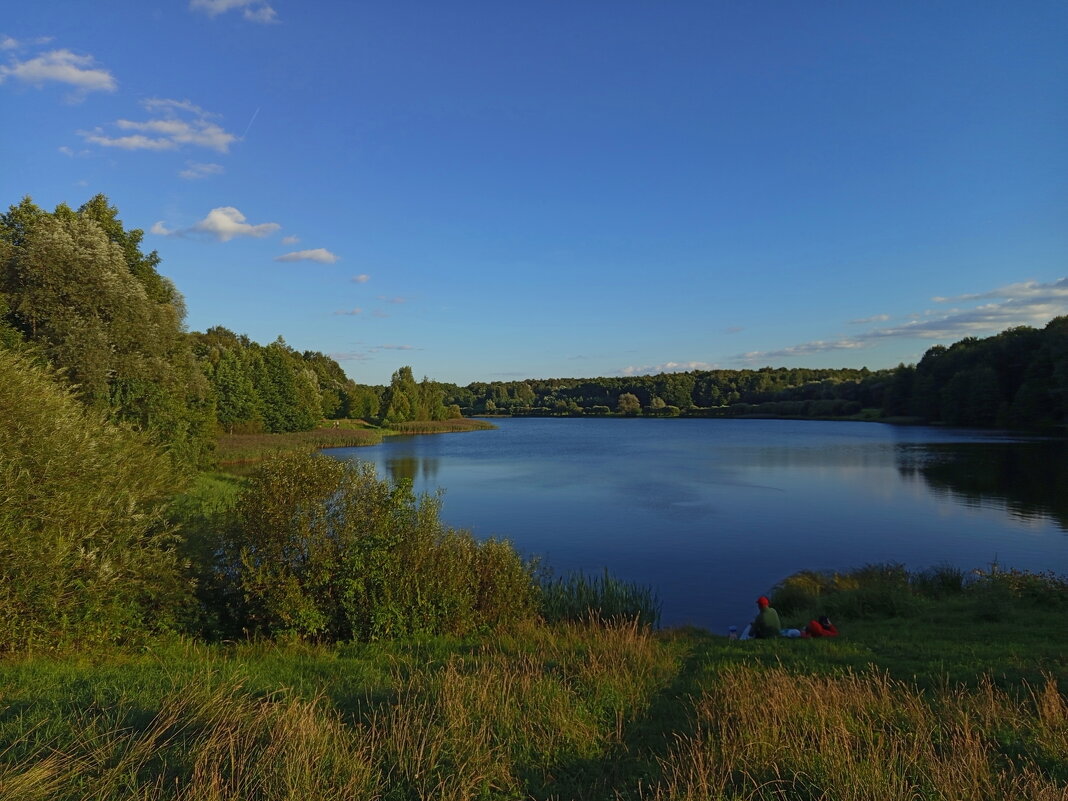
(712, 513)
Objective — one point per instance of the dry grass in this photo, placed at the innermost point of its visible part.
(204, 744)
(768, 734)
(486, 723)
(565, 712)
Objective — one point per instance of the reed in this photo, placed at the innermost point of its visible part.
(578, 596)
(236, 449)
(457, 424)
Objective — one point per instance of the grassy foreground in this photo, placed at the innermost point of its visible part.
(959, 694)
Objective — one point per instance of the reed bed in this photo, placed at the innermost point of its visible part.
(579, 597)
(236, 449)
(456, 424)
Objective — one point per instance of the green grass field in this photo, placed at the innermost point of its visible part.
(957, 694)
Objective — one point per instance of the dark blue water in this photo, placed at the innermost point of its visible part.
(713, 513)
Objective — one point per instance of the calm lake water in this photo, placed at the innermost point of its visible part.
(713, 513)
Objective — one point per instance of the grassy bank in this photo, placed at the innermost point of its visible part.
(905, 704)
(238, 449)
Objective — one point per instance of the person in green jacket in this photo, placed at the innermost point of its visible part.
(767, 623)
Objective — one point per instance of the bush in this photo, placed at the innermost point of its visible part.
(801, 591)
(86, 554)
(322, 548)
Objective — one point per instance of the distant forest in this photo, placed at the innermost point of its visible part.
(1018, 378)
(79, 295)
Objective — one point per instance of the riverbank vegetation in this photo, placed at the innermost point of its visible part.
(243, 449)
(973, 709)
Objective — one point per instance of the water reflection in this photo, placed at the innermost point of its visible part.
(410, 467)
(1029, 481)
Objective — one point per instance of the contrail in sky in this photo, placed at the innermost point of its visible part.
(254, 113)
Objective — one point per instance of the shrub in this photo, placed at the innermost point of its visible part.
(321, 547)
(86, 554)
(800, 591)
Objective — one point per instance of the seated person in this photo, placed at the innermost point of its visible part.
(821, 627)
(767, 622)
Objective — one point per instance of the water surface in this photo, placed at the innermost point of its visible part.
(714, 512)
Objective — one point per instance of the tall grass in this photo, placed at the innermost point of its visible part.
(204, 743)
(457, 424)
(236, 449)
(578, 596)
(771, 734)
(489, 722)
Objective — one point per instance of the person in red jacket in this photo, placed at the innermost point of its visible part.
(821, 627)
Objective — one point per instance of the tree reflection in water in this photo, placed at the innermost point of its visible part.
(1028, 479)
(409, 467)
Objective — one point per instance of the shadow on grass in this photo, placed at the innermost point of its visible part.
(634, 763)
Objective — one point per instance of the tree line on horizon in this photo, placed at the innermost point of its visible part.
(78, 291)
(1015, 379)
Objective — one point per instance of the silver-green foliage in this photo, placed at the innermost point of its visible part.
(322, 548)
(85, 553)
(75, 285)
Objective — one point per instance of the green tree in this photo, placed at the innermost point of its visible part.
(399, 403)
(628, 404)
(70, 291)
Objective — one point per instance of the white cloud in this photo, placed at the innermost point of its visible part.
(321, 255)
(290, 240)
(179, 123)
(194, 170)
(1028, 303)
(877, 318)
(666, 367)
(7, 43)
(397, 300)
(60, 66)
(351, 312)
(804, 349)
(223, 223)
(351, 356)
(362, 278)
(252, 10)
(367, 354)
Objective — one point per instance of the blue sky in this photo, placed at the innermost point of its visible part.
(489, 191)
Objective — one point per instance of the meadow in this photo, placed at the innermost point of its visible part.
(941, 685)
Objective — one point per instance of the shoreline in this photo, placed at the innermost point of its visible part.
(238, 450)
